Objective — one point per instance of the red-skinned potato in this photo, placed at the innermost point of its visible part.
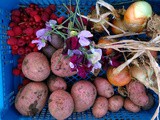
(104, 88)
(31, 99)
(100, 107)
(84, 94)
(35, 66)
(60, 104)
(115, 103)
(130, 106)
(60, 65)
(150, 103)
(137, 93)
(56, 83)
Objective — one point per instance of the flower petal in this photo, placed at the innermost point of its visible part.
(98, 65)
(97, 50)
(51, 23)
(71, 65)
(41, 32)
(85, 33)
(41, 45)
(77, 52)
(82, 72)
(83, 41)
(70, 52)
(35, 41)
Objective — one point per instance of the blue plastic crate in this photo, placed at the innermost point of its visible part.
(9, 83)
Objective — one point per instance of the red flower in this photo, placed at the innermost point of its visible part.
(82, 71)
(72, 43)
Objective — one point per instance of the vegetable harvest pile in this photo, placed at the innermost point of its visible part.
(52, 48)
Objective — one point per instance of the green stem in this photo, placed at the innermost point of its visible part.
(67, 28)
(80, 16)
(60, 33)
(74, 16)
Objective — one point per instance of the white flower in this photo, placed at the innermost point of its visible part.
(95, 56)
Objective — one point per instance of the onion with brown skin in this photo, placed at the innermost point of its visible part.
(141, 72)
(136, 16)
(119, 23)
(119, 79)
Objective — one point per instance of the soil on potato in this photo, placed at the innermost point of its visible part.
(32, 108)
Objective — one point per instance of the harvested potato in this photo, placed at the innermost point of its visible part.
(137, 93)
(48, 51)
(150, 103)
(104, 88)
(84, 94)
(57, 41)
(31, 99)
(130, 106)
(56, 83)
(100, 107)
(35, 66)
(60, 104)
(115, 103)
(60, 65)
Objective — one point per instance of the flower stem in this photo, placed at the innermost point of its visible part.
(77, 1)
(75, 20)
(60, 33)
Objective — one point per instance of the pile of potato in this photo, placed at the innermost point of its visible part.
(49, 86)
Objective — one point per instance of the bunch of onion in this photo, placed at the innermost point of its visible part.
(100, 17)
(135, 18)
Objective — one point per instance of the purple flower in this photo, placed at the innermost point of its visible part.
(50, 24)
(83, 35)
(40, 43)
(43, 37)
(44, 34)
(40, 33)
(72, 52)
(84, 41)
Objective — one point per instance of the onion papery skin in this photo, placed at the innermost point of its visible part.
(136, 16)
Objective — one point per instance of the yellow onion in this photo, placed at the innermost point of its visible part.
(136, 16)
(120, 24)
(97, 26)
(142, 73)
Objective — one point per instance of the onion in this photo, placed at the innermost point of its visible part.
(141, 73)
(136, 16)
(118, 23)
(98, 26)
(120, 79)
